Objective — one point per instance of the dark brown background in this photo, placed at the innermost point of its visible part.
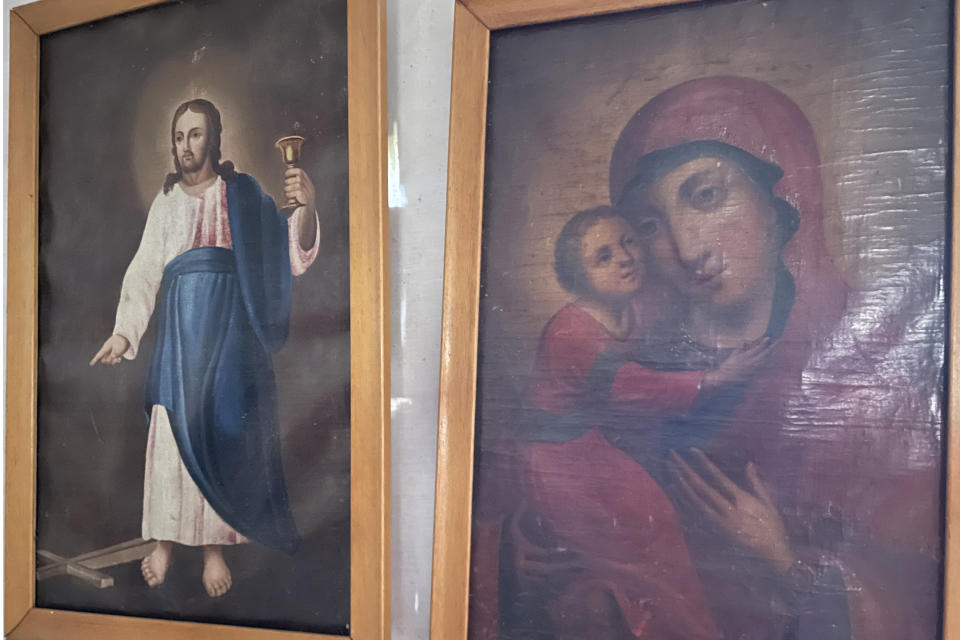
(108, 91)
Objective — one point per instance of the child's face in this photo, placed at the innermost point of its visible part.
(611, 255)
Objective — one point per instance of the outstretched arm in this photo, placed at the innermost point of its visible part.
(645, 390)
(138, 293)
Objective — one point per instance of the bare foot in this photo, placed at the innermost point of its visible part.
(154, 566)
(216, 574)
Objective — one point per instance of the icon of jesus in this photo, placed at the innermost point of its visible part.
(215, 261)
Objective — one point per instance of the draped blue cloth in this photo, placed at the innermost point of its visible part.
(221, 314)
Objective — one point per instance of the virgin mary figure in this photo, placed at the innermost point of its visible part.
(722, 175)
(730, 168)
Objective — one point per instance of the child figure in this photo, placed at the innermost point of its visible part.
(588, 391)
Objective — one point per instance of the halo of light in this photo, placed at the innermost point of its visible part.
(201, 73)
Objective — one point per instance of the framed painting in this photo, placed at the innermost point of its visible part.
(696, 367)
(197, 407)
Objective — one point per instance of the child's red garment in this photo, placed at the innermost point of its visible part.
(581, 367)
(597, 500)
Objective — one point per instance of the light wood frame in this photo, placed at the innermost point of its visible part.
(473, 22)
(369, 342)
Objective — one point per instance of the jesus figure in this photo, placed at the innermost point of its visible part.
(217, 259)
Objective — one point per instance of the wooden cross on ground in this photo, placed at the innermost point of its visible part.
(85, 565)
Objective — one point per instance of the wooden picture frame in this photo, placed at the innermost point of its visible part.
(369, 339)
(474, 22)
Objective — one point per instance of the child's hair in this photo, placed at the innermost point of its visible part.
(568, 262)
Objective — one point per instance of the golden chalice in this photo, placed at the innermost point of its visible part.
(290, 154)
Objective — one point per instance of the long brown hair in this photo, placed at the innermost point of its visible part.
(214, 131)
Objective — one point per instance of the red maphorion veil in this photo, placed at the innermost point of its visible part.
(800, 456)
(761, 120)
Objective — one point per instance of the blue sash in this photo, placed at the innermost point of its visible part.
(212, 372)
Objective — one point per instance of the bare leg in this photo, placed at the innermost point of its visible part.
(216, 574)
(154, 566)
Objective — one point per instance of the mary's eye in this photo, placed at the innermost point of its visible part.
(708, 196)
(647, 227)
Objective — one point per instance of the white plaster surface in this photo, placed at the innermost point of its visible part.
(419, 49)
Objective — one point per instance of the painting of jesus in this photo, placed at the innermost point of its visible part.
(215, 380)
(214, 308)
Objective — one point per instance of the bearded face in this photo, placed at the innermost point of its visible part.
(190, 141)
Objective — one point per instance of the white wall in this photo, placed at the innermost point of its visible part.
(419, 37)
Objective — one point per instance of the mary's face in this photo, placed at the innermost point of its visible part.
(711, 231)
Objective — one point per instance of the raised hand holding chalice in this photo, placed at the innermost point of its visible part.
(290, 154)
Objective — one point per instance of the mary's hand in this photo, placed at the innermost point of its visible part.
(739, 365)
(538, 566)
(747, 515)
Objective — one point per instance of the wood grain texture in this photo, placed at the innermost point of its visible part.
(48, 624)
(369, 323)
(501, 14)
(21, 415)
(370, 366)
(951, 595)
(47, 16)
(458, 351)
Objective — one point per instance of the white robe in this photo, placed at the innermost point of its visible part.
(173, 507)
